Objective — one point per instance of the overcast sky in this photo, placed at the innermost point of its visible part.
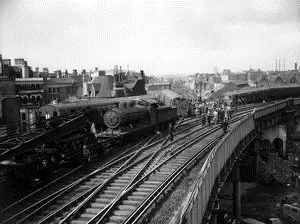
(159, 37)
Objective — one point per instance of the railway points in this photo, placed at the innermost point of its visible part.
(194, 125)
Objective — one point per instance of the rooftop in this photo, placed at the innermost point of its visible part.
(28, 79)
(65, 80)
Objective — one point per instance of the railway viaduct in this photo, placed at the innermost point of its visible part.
(275, 124)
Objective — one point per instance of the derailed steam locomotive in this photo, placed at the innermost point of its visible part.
(75, 131)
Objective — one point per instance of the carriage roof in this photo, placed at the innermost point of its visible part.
(259, 89)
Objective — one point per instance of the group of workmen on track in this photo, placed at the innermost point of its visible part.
(218, 113)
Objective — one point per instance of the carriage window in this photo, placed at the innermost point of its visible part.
(47, 115)
(55, 113)
(294, 210)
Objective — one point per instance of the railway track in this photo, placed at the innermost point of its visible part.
(72, 198)
(69, 177)
(24, 206)
(128, 192)
(136, 203)
(29, 210)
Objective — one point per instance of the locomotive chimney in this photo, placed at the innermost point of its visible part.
(116, 69)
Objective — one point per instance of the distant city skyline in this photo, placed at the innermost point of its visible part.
(157, 37)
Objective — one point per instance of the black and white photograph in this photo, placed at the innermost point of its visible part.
(150, 112)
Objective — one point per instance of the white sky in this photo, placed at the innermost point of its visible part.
(159, 37)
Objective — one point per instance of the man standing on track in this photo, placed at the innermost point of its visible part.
(225, 125)
(209, 117)
(203, 119)
(171, 130)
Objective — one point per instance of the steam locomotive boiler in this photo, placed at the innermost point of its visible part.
(143, 116)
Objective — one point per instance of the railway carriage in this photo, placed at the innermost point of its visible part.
(257, 95)
(172, 99)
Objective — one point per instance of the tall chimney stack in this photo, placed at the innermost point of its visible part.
(296, 66)
(279, 65)
(1, 65)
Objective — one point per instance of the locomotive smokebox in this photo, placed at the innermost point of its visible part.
(118, 117)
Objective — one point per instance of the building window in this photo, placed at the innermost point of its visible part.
(54, 90)
(50, 90)
(23, 116)
(58, 90)
(25, 99)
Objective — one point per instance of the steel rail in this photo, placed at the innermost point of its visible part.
(48, 200)
(33, 206)
(101, 217)
(100, 187)
(42, 201)
(138, 214)
(106, 209)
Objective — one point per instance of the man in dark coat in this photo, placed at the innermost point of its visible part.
(171, 130)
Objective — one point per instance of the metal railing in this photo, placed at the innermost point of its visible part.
(296, 101)
(193, 210)
(262, 112)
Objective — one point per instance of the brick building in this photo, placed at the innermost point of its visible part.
(9, 105)
(31, 92)
(60, 89)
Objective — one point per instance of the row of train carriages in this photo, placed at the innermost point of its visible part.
(75, 132)
(257, 95)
